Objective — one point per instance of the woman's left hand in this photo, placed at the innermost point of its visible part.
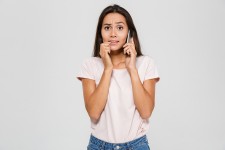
(130, 51)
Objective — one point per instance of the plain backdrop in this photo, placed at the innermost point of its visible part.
(42, 46)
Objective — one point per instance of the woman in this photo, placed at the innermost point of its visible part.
(118, 85)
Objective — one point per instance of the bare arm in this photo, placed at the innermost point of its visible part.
(144, 94)
(96, 97)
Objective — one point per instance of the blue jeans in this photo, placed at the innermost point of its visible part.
(137, 144)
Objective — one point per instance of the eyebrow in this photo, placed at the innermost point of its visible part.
(111, 24)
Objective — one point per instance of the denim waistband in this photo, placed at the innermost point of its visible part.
(115, 146)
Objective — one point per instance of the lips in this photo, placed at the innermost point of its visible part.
(113, 42)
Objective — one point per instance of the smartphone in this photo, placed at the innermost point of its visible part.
(128, 37)
(128, 40)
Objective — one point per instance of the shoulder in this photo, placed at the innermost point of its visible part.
(93, 64)
(91, 60)
(144, 59)
(148, 58)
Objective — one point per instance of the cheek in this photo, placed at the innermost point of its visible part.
(104, 36)
(123, 37)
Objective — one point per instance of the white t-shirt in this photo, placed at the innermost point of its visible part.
(120, 121)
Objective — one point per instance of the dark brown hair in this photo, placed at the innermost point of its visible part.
(133, 32)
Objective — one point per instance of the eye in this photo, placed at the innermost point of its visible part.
(106, 28)
(120, 27)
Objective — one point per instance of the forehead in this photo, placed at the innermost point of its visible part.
(113, 18)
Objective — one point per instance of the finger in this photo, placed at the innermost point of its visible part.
(126, 48)
(130, 47)
(127, 52)
(107, 51)
(104, 51)
(131, 52)
(106, 46)
(106, 43)
(127, 44)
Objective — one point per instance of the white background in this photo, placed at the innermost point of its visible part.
(42, 45)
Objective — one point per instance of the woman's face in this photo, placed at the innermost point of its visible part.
(114, 30)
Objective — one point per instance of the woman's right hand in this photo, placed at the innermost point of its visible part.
(104, 53)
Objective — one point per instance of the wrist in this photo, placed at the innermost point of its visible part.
(132, 70)
(108, 69)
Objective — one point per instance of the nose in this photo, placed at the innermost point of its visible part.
(113, 33)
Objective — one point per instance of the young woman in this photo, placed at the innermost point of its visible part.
(118, 85)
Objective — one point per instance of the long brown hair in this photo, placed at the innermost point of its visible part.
(133, 32)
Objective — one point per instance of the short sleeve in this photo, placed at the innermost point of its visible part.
(151, 70)
(86, 70)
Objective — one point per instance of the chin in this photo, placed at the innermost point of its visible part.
(115, 48)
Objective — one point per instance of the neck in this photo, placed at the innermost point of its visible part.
(117, 57)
